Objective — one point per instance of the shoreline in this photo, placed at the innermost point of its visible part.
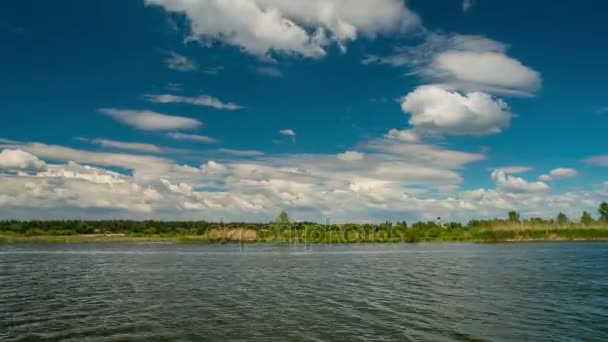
(197, 240)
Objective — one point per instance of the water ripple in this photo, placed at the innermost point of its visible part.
(451, 292)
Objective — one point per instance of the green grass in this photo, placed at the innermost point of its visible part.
(313, 233)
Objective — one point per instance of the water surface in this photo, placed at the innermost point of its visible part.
(367, 292)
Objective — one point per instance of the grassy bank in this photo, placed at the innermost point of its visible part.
(333, 234)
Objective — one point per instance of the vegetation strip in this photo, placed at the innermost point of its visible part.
(283, 230)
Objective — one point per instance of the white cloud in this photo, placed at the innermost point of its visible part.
(241, 153)
(307, 28)
(559, 173)
(422, 55)
(182, 63)
(395, 180)
(351, 156)
(489, 71)
(601, 160)
(213, 168)
(193, 137)
(73, 170)
(123, 145)
(203, 100)
(405, 135)
(151, 121)
(465, 63)
(287, 132)
(517, 185)
(20, 160)
(434, 110)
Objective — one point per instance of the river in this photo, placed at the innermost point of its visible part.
(358, 292)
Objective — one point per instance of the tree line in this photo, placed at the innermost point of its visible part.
(283, 223)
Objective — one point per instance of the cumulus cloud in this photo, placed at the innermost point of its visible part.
(351, 156)
(20, 160)
(182, 63)
(193, 137)
(512, 184)
(434, 110)
(306, 28)
(395, 179)
(212, 167)
(203, 100)
(559, 173)
(150, 121)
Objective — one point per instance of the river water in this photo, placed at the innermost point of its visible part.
(359, 292)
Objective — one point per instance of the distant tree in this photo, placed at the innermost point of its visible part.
(283, 218)
(586, 218)
(603, 211)
(562, 218)
(513, 216)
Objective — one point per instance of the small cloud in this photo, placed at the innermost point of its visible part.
(559, 173)
(601, 160)
(146, 120)
(241, 153)
(513, 169)
(193, 137)
(288, 133)
(203, 100)
(516, 185)
(212, 70)
(350, 156)
(406, 135)
(182, 63)
(269, 71)
(212, 167)
(122, 145)
(467, 5)
(18, 160)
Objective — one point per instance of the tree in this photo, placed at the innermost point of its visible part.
(586, 218)
(562, 218)
(513, 216)
(283, 218)
(603, 211)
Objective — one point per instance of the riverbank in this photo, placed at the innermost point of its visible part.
(410, 235)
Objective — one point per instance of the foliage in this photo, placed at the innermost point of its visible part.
(284, 229)
(562, 218)
(513, 216)
(603, 212)
(586, 219)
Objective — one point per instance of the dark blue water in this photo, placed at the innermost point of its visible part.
(434, 292)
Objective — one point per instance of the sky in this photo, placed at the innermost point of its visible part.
(358, 110)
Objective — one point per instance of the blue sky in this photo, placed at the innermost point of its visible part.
(386, 110)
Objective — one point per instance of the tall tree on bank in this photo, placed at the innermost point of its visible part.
(586, 218)
(513, 216)
(562, 218)
(603, 211)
